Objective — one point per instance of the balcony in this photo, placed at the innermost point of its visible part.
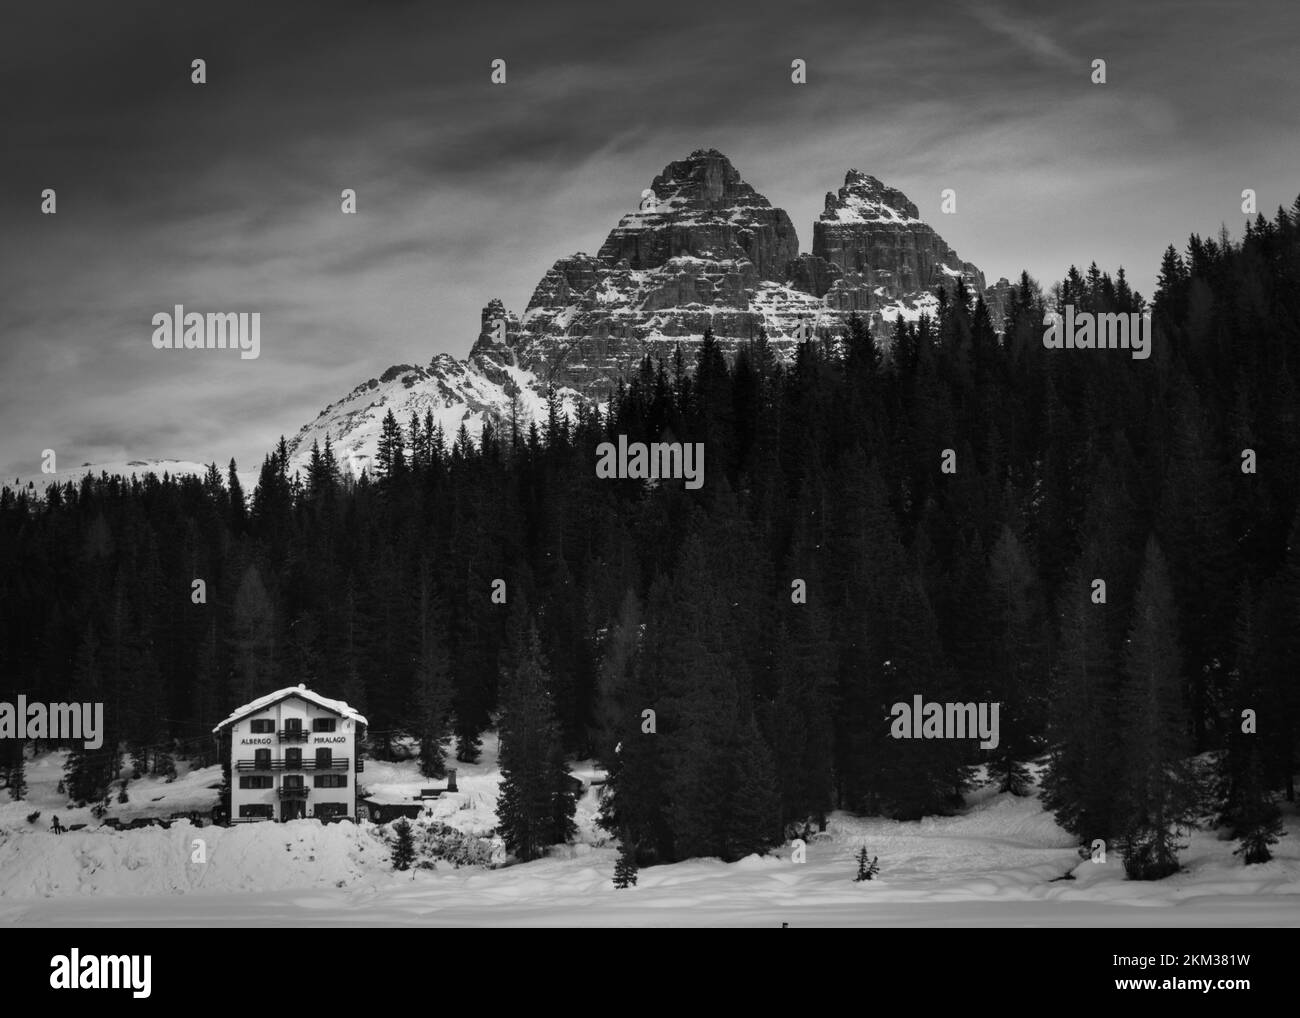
(294, 735)
(291, 792)
(338, 763)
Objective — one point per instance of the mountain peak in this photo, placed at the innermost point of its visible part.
(700, 207)
(700, 250)
(865, 199)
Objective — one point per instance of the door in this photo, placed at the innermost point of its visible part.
(293, 809)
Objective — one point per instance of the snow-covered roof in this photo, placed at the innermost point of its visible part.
(261, 703)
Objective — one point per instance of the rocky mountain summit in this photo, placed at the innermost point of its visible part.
(703, 250)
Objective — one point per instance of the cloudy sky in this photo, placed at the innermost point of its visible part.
(225, 196)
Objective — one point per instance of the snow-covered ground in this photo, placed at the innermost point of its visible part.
(999, 863)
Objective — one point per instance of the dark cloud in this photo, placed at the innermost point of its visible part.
(225, 196)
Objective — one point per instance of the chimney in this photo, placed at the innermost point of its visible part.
(451, 779)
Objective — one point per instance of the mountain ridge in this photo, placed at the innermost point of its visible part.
(703, 250)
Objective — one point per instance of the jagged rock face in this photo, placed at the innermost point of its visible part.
(631, 313)
(875, 232)
(705, 251)
(699, 206)
(813, 275)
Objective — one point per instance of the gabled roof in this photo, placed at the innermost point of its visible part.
(302, 692)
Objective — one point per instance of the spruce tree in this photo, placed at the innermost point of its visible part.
(534, 807)
(1258, 818)
(918, 776)
(867, 868)
(390, 459)
(625, 868)
(404, 848)
(634, 802)
(252, 640)
(1020, 663)
(1154, 784)
(432, 684)
(88, 773)
(753, 819)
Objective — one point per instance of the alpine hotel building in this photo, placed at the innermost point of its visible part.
(292, 754)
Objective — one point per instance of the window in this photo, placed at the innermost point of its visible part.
(256, 809)
(262, 759)
(293, 759)
(293, 724)
(293, 781)
(260, 726)
(325, 810)
(324, 759)
(322, 724)
(255, 781)
(331, 781)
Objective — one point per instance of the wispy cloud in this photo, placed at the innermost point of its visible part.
(226, 195)
(1020, 30)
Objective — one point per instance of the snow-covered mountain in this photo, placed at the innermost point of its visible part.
(703, 251)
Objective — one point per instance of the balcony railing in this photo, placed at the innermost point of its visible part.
(291, 792)
(338, 763)
(294, 735)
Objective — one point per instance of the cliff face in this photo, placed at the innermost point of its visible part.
(703, 250)
(874, 230)
(700, 207)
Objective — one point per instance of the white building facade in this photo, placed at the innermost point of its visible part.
(293, 754)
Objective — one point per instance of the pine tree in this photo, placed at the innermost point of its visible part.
(390, 460)
(1021, 661)
(919, 776)
(1258, 818)
(1154, 796)
(753, 819)
(404, 848)
(535, 808)
(432, 684)
(88, 773)
(1079, 783)
(615, 678)
(252, 640)
(238, 505)
(634, 802)
(867, 869)
(625, 868)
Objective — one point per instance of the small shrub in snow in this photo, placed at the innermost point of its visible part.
(33, 817)
(404, 849)
(625, 868)
(866, 870)
(441, 841)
